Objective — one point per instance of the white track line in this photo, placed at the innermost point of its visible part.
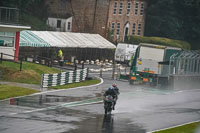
(173, 126)
(54, 107)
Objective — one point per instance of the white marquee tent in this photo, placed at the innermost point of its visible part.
(63, 39)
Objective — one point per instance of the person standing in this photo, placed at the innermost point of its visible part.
(60, 54)
(60, 57)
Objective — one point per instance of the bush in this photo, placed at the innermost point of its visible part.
(160, 41)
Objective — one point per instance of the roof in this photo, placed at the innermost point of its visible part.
(13, 27)
(63, 39)
(158, 46)
(28, 38)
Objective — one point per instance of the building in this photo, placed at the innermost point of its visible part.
(88, 16)
(60, 24)
(120, 17)
(59, 15)
(125, 18)
(10, 33)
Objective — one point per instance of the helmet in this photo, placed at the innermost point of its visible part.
(110, 88)
(114, 85)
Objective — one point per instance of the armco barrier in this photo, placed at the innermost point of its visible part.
(63, 78)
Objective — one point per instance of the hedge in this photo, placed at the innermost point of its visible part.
(160, 41)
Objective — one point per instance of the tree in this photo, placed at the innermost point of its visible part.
(176, 19)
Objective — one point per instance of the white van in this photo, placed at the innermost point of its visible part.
(124, 52)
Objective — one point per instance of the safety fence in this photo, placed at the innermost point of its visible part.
(185, 63)
(184, 70)
(64, 78)
(10, 58)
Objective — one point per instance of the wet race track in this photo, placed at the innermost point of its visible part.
(139, 109)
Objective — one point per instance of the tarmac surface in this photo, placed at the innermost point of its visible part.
(139, 109)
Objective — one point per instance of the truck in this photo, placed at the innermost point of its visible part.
(124, 52)
(151, 64)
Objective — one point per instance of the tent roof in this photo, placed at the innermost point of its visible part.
(27, 38)
(63, 39)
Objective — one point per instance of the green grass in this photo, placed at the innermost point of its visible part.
(31, 73)
(189, 128)
(160, 41)
(73, 85)
(7, 91)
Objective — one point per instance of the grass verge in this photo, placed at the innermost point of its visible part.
(31, 73)
(7, 91)
(159, 40)
(73, 85)
(189, 128)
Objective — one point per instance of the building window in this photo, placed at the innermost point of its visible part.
(120, 8)
(128, 8)
(136, 8)
(115, 8)
(68, 26)
(139, 29)
(118, 28)
(7, 39)
(142, 9)
(58, 23)
(113, 26)
(133, 29)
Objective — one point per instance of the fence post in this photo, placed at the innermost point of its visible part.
(48, 63)
(0, 75)
(87, 72)
(20, 64)
(113, 74)
(101, 70)
(75, 66)
(82, 65)
(1, 58)
(42, 79)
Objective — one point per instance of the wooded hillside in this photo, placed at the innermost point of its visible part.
(175, 19)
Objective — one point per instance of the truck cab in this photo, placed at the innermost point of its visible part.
(151, 62)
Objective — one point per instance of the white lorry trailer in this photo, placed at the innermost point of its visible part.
(124, 52)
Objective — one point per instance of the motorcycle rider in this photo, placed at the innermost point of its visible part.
(115, 88)
(114, 92)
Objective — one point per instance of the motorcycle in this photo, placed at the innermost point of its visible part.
(108, 104)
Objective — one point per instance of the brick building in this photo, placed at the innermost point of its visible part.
(123, 17)
(126, 17)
